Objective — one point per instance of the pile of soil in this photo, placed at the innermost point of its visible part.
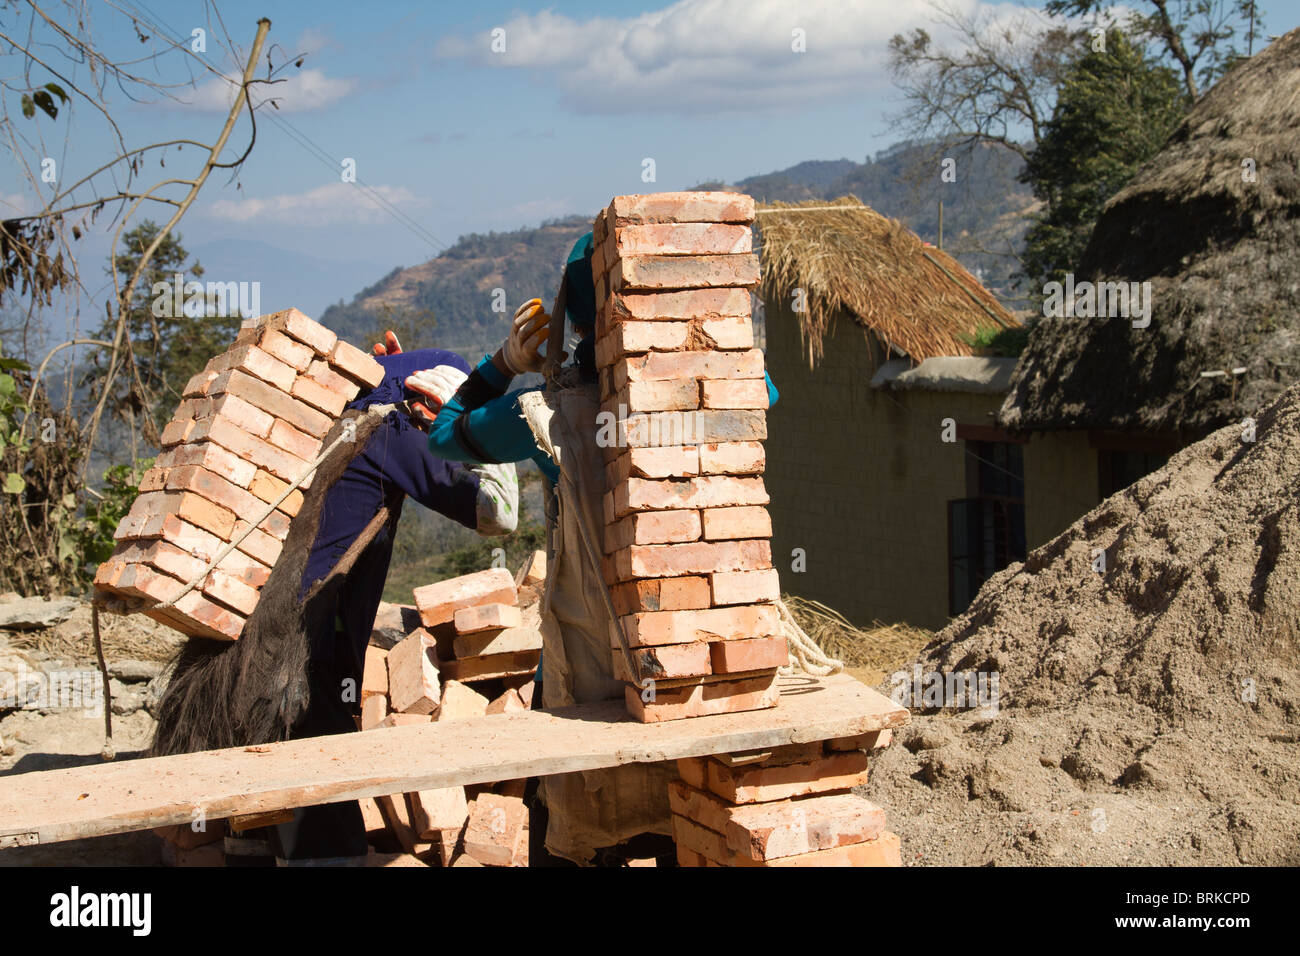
(1148, 712)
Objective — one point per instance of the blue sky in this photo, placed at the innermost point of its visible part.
(459, 138)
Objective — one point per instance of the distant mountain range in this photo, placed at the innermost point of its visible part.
(449, 300)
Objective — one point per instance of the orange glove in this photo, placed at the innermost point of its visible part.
(390, 345)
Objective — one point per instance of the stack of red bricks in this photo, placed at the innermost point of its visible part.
(789, 806)
(249, 424)
(452, 668)
(687, 550)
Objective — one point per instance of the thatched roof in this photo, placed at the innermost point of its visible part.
(1223, 258)
(848, 258)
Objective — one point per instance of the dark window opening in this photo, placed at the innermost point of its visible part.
(1117, 470)
(986, 530)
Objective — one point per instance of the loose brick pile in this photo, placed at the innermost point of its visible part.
(790, 806)
(248, 426)
(687, 550)
(475, 653)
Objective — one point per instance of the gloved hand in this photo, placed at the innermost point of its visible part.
(390, 345)
(497, 506)
(522, 348)
(434, 388)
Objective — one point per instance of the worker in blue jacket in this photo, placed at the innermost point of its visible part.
(395, 464)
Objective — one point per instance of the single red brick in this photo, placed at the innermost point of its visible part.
(230, 591)
(734, 393)
(676, 461)
(291, 353)
(674, 366)
(648, 429)
(710, 491)
(175, 432)
(694, 304)
(751, 654)
(723, 524)
(257, 543)
(254, 361)
(487, 617)
(197, 386)
(732, 458)
(496, 834)
(656, 628)
(655, 397)
(696, 557)
(633, 337)
(733, 332)
(413, 686)
(297, 326)
(213, 487)
(652, 273)
(299, 444)
(155, 479)
(321, 372)
(693, 206)
(319, 396)
(694, 771)
(350, 362)
(678, 239)
(268, 488)
(215, 459)
(667, 662)
(460, 701)
(652, 527)
(746, 587)
(662, 594)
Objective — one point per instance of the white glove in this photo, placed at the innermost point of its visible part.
(522, 348)
(497, 506)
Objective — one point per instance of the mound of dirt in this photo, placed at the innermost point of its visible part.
(1148, 703)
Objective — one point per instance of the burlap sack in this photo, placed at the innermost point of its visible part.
(599, 808)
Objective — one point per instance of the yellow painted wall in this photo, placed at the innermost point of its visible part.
(859, 478)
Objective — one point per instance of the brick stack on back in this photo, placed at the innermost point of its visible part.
(248, 425)
(687, 551)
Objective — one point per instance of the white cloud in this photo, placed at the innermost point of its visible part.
(13, 205)
(302, 90)
(325, 205)
(707, 54)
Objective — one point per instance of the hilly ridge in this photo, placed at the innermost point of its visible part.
(449, 300)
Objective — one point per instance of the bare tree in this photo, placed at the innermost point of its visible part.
(60, 68)
(988, 81)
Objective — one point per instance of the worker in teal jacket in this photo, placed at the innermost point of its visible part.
(476, 419)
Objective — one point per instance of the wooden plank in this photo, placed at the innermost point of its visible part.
(51, 805)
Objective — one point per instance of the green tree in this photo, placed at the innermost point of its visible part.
(168, 346)
(1114, 110)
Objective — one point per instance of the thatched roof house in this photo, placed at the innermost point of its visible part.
(1213, 223)
(850, 260)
